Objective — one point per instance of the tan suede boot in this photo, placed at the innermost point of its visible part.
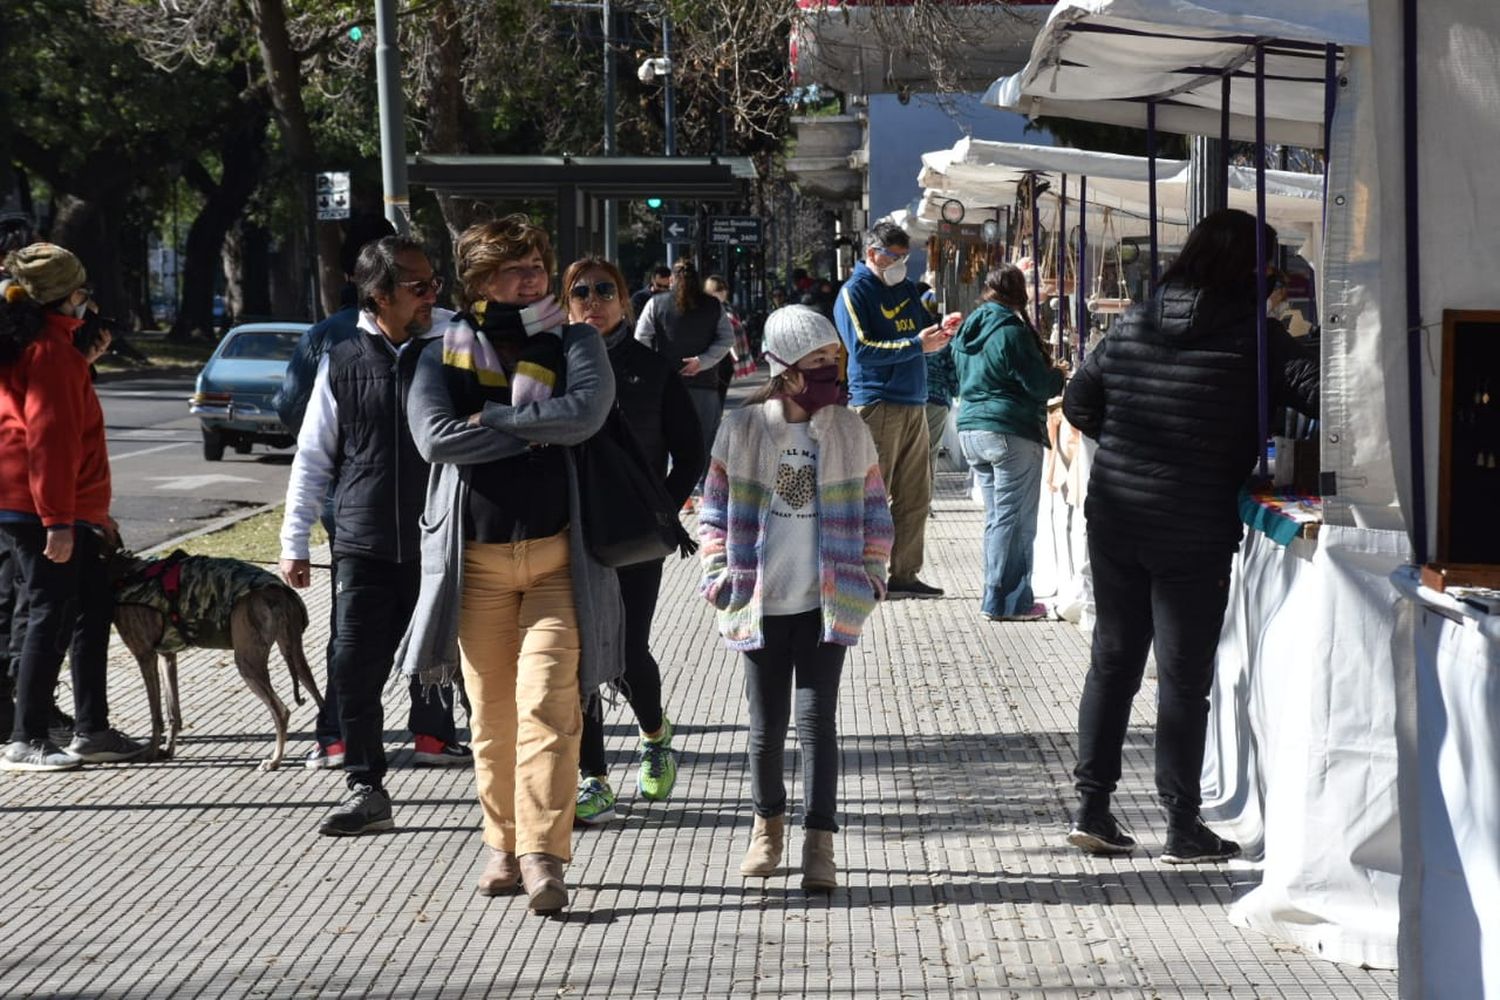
(502, 873)
(766, 842)
(542, 875)
(818, 871)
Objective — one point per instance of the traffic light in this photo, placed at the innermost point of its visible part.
(653, 203)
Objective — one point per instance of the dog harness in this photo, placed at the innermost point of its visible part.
(195, 596)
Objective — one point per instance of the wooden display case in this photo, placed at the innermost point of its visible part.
(1468, 534)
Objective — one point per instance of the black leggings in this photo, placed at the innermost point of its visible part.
(639, 586)
(69, 607)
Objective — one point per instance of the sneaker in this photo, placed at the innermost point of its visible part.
(366, 810)
(898, 589)
(1037, 612)
(329, 758)
(1100, 834)
(106, 747)
(60, 725)
(37, 755)
(433, 752)
(1195, 844)
(658, 765)
(596, 802)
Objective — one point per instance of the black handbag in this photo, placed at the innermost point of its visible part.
(627, 515)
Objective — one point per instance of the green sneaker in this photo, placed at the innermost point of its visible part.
(596, 802)
(658, 765)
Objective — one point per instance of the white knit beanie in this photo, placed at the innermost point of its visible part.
(794, 332)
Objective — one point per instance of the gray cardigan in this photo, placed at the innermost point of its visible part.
(429, 650)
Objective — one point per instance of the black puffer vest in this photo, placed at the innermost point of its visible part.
(687, 335)
(382, 478)
(1178, 427)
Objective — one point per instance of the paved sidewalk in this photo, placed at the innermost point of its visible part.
(205, 877)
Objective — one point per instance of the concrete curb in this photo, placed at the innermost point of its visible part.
(228, 521)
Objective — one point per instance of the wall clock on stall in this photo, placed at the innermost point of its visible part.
(953, 211)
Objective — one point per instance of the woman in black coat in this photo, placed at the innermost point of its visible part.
(657, 408)
(1170, 395)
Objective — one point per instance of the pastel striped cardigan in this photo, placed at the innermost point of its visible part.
(854, 521)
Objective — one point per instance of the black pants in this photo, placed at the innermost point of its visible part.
(428, 716)
(795, 656)
(69, 607)
(375, 602)
(639, 587)
(1176, 599)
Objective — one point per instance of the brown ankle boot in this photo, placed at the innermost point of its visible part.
(818, 871)
(501, 873)
(766, 842)
(542, 876)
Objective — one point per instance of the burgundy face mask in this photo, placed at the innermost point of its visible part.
(820, 388)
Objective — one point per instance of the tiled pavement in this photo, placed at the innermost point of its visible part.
(203, 876)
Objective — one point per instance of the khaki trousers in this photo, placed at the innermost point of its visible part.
(901, 442)
(518, 636)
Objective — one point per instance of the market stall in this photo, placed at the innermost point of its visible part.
(1408, 247)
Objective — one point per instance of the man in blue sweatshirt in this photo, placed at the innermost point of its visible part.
(886, 330)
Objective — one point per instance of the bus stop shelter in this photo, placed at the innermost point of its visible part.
(582, 185)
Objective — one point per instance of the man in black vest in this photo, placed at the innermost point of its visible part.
(355, 432)
(690, 328)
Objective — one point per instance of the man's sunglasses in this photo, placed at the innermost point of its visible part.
(422, 287)
(605, 290)
(890, 253)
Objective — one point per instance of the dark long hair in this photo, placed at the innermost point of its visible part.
(687, 287)
(1220, 253)
(1006, 285)
(21, 322)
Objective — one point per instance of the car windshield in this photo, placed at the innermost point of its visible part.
(261, 345)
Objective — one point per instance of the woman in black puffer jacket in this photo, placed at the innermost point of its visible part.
(1170, 395)
(656, 406)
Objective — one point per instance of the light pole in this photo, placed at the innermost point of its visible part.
(648, 71)
(392, 116)
(611, 222)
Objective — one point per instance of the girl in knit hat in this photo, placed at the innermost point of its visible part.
(796, 535)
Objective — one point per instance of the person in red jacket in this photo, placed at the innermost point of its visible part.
(54, 509)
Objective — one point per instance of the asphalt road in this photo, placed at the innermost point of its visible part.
(163, 486)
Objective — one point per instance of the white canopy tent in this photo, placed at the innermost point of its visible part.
(1100, 60)
(1409, 234)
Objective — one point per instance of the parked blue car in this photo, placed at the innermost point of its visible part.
(233, 397)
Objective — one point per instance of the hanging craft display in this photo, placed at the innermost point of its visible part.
(1120, 301)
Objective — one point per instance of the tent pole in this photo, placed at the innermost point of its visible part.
(1262, 254)
(1151, 185)
(1224, 88)
(1036, 254)
(1330, 97)
(1062, 266)
(1417, 522)
(1082, 269)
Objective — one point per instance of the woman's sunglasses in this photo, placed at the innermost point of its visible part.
(605, 290)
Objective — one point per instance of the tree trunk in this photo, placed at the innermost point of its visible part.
(247, 272)
(445, 108)
(242, 152)
(91, 229)
(284, 73)
(288, 291)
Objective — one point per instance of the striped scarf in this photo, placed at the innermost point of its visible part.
(469, 346)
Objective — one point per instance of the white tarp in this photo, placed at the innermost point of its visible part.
(1301, 757)
(1101, 57)
(1448, 679)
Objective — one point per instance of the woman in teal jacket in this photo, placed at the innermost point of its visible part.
(1005, 377)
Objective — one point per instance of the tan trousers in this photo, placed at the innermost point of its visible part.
(518, 635)
(901, 441)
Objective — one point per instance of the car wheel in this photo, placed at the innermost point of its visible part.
(213, 445)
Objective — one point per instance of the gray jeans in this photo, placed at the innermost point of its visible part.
(792, 657)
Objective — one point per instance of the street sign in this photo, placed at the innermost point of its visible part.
(741, 230)
(679, 228)
(333, 195)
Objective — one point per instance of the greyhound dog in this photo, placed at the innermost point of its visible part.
(163, 606)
